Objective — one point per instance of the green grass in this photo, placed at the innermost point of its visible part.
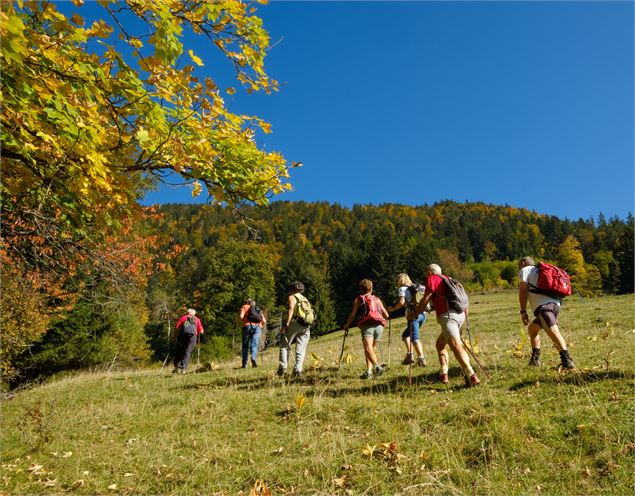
(224, 431)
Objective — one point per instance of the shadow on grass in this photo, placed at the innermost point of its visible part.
(325, 382)
(576, 377)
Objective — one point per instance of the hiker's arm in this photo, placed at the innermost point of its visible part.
(180, 322)
(400, 304)
(291, 304)
(384, 312)
(523, 293)
(241, 315)
(199, 326)
(421, 306)
(351, 316)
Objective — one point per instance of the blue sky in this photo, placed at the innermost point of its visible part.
(528, 104)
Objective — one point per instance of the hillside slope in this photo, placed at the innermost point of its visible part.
(230, 431)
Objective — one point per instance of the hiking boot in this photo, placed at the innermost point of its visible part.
(421, 361)
(472, 381)
(366, 375)
(443, 378)
(408, 359)
(534, 361)
(243, 366)
(253, 363)
(378, 370)
(566, 363)
(297, 374)
(281, 372)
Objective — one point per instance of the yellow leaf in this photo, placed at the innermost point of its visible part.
(369, 450)
(300, 400)
(195, 59)
(230, 91)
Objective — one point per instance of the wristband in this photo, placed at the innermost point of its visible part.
(523, 311)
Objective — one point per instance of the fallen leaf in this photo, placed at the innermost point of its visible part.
(341, 481)
(112, 487)
(260, 489)
(67, 454)
(78, 483)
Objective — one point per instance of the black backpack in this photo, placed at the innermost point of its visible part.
(189, 326)
(254, 315)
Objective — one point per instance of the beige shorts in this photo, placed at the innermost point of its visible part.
(451, 324)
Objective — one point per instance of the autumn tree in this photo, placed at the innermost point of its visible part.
(93, 113)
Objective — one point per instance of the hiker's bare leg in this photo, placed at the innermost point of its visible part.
(534, 337)
(418, 348)
(459, 352)
(443, 354)
(554, 333)
(369, 352)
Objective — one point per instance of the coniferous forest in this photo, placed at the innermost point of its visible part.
(213, 258)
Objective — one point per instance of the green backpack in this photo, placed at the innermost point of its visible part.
(304, 313)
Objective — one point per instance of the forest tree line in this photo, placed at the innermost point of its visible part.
(212, 259)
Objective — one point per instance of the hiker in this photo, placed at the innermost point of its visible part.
(545, 310)
(406, 295)
(253, 320)
(450, 322)
(370, 314)
(187, 331)
(294, 330)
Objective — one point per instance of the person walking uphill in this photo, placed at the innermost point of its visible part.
(253, 321)
(296, 329)
(545, 310)
(187, 329)
(371, 321)
(411, 338)
(451, 322)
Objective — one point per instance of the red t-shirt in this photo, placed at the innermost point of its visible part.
(436, 286)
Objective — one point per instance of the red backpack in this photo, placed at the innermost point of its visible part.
(552, 281)
(369, 311)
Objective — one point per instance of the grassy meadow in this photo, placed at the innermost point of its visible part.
(222, 430)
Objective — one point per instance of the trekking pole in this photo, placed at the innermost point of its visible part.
(198, 350)
(168, 353)
(389, 334)
(469, 348)
(410, 346)
(339, 362)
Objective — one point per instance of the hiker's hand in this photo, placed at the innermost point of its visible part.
(524, 318)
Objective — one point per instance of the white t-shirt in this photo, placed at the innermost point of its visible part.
(403, 292)
(529, 275)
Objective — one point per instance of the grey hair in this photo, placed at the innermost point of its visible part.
(435, 269)
(525, 261)
(191, 311)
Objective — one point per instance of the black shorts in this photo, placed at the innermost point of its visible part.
(549, 313)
